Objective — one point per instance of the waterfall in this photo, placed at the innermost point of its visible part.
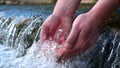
(19, 33)
(20, 47)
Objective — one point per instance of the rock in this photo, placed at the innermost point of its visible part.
(27, 1)
(19, 33)
(11, 2)
(38, 1)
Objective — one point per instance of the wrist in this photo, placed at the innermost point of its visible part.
(64, 17)
(66, 8)
(63, 14)
(103, 9)
(94, 19)
(96, 16)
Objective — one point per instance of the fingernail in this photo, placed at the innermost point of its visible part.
(68, 46)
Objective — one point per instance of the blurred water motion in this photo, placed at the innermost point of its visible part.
(8, 11)
(20, 46)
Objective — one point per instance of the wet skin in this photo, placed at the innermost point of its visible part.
(84, 27)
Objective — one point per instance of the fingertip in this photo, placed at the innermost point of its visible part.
(68, 46)
(43, 38)
(43, 34)
(72, 38)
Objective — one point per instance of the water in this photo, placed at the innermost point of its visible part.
(8, 11)
(20, 46)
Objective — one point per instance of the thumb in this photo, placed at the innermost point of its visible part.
(72, 38)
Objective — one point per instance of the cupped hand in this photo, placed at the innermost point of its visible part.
(55, 27)
(81, 37)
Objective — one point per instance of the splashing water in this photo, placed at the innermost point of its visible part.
(20, 47)
(18, 51)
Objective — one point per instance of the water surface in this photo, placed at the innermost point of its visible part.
(20, 46)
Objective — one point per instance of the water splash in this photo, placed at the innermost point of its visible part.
(19, 32)
(20, 47)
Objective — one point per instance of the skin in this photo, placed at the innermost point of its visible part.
(84, 27)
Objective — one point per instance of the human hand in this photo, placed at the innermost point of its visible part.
(81, 37)
(55, 27)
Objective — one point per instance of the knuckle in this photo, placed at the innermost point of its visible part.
(76, 25)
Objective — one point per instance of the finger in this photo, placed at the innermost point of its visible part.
(69, 50)
(79, 45)
(69, 43)
(83, 42)
(76, 50)
(73, 36)
(67, 54)
(44, 33)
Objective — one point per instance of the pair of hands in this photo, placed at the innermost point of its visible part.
(75, 39)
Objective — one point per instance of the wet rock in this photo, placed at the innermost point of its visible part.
(105, 52)
(19, 33)
(27, 36)
(8, 2)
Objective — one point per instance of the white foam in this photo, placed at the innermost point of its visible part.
(37, 56)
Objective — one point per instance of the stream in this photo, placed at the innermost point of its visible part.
(20, 46)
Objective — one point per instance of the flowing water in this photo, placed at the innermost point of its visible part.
(20, 46)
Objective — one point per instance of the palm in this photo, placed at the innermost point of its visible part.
(56, 28)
